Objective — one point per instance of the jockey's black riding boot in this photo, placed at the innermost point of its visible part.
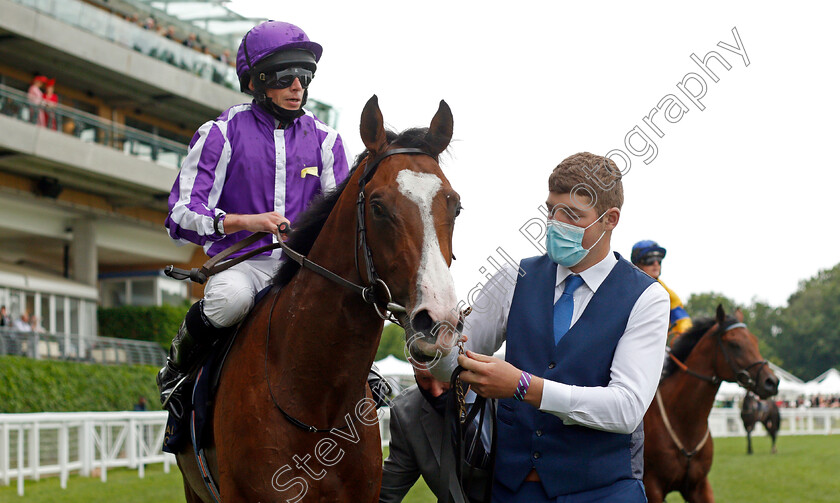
(189, 349)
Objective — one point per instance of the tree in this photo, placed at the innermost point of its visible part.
(701, 305)
(808, 339)
(392, 342)
(763, 321)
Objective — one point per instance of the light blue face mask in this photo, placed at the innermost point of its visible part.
(564, 242)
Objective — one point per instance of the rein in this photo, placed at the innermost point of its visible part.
(372, 294)
(672, 433)
(457, 419)
(300, 424)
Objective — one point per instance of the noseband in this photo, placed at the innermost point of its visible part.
(742, 376)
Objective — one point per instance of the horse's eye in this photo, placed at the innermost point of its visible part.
(377, 209)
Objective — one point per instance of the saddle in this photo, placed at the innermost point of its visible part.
(197, 406)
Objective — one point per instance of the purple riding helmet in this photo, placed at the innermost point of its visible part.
(273, 45)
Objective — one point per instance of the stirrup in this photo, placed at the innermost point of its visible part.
(171, 392)
(380, 388)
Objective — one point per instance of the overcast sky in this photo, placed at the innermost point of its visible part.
(742, 193)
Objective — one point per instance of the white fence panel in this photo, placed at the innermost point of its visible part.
(816, 421)
(56, 443)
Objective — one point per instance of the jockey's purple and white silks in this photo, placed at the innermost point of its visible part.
(242, 163)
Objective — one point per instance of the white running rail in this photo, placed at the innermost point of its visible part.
(56, 443)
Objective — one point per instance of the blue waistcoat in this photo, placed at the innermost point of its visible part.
(573, 458)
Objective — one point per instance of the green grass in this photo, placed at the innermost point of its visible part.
(123, 485)
(804, 471)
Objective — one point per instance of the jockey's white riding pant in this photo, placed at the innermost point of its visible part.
(229, 295)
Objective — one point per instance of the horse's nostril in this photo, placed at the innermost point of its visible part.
(422, 322)
(771, 384)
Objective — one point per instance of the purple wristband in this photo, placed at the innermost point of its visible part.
(524, 382)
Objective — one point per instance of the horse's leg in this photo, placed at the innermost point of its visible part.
(773, 424)
(749, 441)
(700, 493)
(772, 430)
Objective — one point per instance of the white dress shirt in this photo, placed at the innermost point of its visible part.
(634, 375)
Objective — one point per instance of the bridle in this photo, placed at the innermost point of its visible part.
(376, 292)
(742, 376)
(380, 299)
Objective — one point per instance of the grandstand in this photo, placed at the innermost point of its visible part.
(84, 184)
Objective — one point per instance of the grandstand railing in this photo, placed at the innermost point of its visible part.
(93, 349)
(57, 443)
(150, 43)
(93, 129)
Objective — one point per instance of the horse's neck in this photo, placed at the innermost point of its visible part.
(688, 399)
(326, 336)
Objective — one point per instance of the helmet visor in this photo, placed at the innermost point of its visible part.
(281, 79)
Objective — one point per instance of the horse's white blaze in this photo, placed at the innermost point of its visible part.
(435, 288)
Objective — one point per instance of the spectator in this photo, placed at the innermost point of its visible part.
(191, 41)
(22, 324)
(141, 404)
(149, 24)
(170, 33)
(68, 126)
(36, 97)
(50, 101)
(225, 57)
(5, 321)
(35, 324)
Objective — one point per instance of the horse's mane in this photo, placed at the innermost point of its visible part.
(686, 342)
(308, 224)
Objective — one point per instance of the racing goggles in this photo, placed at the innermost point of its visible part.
(651, 259)
(281, 79)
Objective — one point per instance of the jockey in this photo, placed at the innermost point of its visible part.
(254, 167)
(647, 255)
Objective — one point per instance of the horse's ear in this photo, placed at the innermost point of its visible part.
(372, 127)
(739, 315)
(440, 130)
(720, 315)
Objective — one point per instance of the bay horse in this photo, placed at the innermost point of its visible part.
(293, 418)
(678, 447)
(766, 412)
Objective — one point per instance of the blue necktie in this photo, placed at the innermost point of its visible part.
(565, 306)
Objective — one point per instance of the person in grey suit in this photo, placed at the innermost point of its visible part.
(416, 427)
